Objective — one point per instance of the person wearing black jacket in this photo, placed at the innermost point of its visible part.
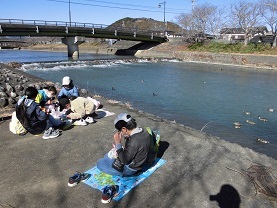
(133, 155)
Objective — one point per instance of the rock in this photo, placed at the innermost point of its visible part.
(9, 88)
(11, 101)
(38, 86)
(3, 102)
(13, 94)
(15, 64)
(58, 85)
(83, 91)
(3, 95)
(18, 88)
(2, 89)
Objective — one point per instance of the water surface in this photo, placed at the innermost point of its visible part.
(188, 93)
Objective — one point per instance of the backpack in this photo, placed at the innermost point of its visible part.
(155, 139)
(16, 127)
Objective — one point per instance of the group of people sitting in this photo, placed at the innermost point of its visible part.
(35, 110)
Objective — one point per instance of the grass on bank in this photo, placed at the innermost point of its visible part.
(216, 47)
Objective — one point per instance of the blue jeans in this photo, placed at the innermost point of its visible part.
(105, 165)
(52, 122)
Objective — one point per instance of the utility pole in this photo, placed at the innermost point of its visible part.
(160, 4)
(69, 13)
(192, 4)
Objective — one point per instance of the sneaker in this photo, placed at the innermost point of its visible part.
(89, 120)
(51, 133)
(80, 122)
(77, 178)
(108, 193)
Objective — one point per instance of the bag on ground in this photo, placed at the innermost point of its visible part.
(15, 125)
(155, 138)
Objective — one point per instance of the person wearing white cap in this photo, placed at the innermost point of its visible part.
(68, 89)
(134, 155)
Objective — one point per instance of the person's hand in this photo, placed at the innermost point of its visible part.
(117, 137)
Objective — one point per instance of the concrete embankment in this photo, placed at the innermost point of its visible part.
(263, 61)
(201, 170)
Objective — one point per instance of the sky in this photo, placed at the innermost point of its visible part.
(103, 12)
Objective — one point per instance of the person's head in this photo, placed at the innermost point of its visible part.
(124, 123)
(64, 102)
(67, 82)
(51, 91)
(31, 93)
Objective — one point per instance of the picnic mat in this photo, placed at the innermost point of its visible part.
(99, 179)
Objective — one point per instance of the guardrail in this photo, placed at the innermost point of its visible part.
(77, 25)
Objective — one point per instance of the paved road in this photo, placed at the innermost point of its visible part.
(34, 172)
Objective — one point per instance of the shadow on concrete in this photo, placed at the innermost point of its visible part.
(228, 197)
(162, 148)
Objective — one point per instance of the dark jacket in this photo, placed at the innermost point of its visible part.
(31, 116)
(135, 152)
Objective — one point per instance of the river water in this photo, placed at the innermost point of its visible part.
(202, 96)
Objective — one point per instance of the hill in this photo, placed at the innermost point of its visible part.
(146, 24)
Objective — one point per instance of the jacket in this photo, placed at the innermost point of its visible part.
(135, 152)
(80, 107)
(68, 92)
(34, 119)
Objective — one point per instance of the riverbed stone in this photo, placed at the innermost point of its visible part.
(3, 102)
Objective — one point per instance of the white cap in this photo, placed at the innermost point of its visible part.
(121, 120)
(66, 80)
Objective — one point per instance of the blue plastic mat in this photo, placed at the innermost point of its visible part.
(99, 179)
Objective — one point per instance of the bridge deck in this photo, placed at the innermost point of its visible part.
(65, 29)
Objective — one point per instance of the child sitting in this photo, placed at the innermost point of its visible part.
(78, 108)
(68, 89)
(33, 118)
(46, 96)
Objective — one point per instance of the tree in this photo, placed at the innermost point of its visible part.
(246, 16)
(268, 10)
(203, 19)
(186, 21)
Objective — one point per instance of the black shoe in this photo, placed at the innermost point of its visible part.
(108, 193)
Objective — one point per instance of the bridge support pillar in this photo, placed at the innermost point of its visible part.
(73, 45)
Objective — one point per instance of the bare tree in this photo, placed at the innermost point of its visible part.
(246, 16)
(268, 10)
(186, 21)
(216, 21)
(202, 19)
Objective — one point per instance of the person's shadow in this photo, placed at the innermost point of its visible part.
(162, 148)
(228, 197)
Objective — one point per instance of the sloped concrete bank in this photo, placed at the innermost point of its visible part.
(262, 61)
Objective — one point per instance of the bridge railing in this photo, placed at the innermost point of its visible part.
(78, 25)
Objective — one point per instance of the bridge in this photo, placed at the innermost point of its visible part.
(74, 33)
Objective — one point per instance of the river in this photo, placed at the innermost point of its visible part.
(206, 97)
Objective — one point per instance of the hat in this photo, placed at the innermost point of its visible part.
(66, 80)
(121, 120)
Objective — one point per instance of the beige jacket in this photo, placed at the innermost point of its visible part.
(81, 106)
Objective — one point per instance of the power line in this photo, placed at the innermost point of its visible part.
(114, 7)
(132, 5)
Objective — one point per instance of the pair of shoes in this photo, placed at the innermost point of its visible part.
(80, 122)
(108, 193)
(89, 120)
(51, 133)
(77, 178)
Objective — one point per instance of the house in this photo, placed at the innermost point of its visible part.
(237, 34)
